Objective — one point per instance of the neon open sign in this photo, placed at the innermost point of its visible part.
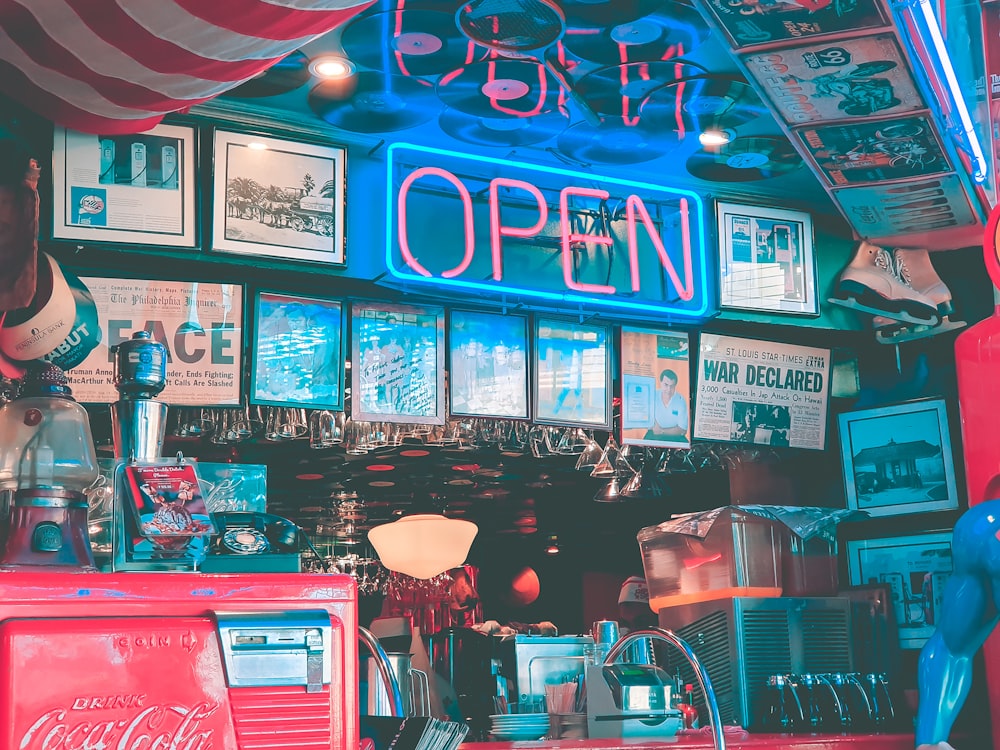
(484, 226)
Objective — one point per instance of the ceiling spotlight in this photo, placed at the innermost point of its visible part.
(331, 68)
(715, 137)
(551, 545)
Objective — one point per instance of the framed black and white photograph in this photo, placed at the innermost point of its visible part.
(897, 459)
(397, 356)
(488, 365)
(766, 260)
(136, 189)
(915, 568)
(572, 373)
(298, 356)
(278, 198)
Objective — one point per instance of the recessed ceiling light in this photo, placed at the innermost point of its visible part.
(331, 68)
(257, 146)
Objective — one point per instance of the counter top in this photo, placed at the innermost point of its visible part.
(703, 741)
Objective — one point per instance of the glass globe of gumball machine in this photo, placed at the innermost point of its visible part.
(48, 460)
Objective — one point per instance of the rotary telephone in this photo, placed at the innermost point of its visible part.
(247, 533)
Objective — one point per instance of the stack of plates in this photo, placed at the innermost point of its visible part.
(519, 727)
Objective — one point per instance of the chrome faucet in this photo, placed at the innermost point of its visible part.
(368, 638)
(668, 636)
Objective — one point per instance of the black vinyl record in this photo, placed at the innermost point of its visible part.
(408, 42)
(503, 131)
(285, 75)
(375, 103)
(691, 106)
(620, 90)
(745, 160)
(675, 30)
(612, 142)
(501, 88)
(606, 12)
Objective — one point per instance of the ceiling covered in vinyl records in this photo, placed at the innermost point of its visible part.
(621, 88)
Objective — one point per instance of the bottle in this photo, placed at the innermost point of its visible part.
(689, 713)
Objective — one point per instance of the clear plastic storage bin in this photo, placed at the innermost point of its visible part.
(722, 553)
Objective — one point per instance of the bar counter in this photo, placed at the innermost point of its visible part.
(703, 741)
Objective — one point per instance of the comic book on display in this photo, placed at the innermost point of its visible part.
(751, 23)
(837, 80)
(874, 151)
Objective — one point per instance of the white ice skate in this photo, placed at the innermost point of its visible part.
(877, 281)
(920, 273)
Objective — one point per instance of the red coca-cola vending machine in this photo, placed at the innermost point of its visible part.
(130, 661)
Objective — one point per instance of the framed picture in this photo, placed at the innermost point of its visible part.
(761, 392)
(397, 355)
(136, 189)
(915, 568)
(897, 459)
(572, 373)
(201, 324)
(766, 260)
(488, 365)
(278, 198)
(656, 388)
(298, 357)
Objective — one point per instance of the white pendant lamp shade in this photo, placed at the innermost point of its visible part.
(423, 546)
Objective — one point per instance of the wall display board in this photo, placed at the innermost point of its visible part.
(656, 388)
(572, 373)
(488, 365)
(397, 356)
(838, 80)
(766, 260)
(129, 189)
(278, 198)
(916, 568)
(201, 325)
(761, 392)
(297, 356)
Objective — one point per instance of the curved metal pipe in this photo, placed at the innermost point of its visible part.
(368, 638)
(668, 636)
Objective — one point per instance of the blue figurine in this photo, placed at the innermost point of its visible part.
(968, 615)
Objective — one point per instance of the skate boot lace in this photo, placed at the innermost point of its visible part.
(894, 264)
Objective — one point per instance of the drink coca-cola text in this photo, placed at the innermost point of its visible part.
(156, 727)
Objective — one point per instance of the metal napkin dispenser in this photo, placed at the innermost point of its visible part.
(630, 700)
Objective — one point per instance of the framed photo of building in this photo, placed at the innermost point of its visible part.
(135, 189)
(915, 568)
(397, 356)
(656, 388)
(298, 357)
(897, 459)
(278, 198)
(572, 373)
(766, 260)
(488, 365)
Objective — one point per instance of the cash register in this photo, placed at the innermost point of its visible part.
(630, 700)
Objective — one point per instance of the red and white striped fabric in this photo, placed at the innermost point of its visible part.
(118, 66)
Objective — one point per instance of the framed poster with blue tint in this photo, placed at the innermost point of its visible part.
(572, 373)
(488, 365)
(766, 260)
(298, 356)
(397, 356)
(656, 388)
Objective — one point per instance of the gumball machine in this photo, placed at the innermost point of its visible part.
(47, 458)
